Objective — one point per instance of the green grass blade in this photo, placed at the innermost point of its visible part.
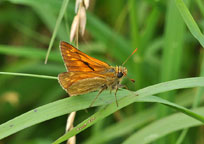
(31, 33)
(196, 102)
(200, 4)
(190, 22)
(28, 52)
(200, 91)
(147, 36)
(106, 111)
(59, 19)
(134, 23)
(173, 46)
(28, 75)
(127, 126)
(143, 92)
(182, 136)
(133, 122)
(172, 54)
(68, 105)
(163, 127)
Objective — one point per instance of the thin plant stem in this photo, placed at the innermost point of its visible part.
(28, 75)
(59, 19)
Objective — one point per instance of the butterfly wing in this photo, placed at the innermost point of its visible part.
(75, 60)
(76, 83)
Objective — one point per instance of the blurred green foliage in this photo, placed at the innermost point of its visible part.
(169, 44)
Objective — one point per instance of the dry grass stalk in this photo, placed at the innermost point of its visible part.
(78, 25)
(79, 22)
(69, 126)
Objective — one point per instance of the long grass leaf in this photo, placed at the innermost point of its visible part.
(190, 22)
(59, 19)
(163, 127)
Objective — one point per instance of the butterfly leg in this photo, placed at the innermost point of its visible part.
(116, 89)
(111, 90)
(100, 91)
(122, 86)
(115, 95)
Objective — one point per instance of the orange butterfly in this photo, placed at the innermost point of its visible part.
(86, 74)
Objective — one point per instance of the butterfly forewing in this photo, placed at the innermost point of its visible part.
(75, 60)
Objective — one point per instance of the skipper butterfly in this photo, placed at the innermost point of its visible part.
(86, 74)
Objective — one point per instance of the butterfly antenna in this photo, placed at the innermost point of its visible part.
(129, 57)
(132, 80)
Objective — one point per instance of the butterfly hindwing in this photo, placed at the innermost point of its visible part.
(80, 82)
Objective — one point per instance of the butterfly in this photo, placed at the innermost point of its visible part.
(86, 74)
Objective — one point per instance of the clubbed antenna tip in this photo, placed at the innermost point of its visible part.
(129, 57)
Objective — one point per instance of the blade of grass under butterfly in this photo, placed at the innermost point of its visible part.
(107, 110)
(135, 121)
(68, 105)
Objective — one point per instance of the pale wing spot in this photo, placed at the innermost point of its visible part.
(71, 74)
(72, 50)
(67, 79)
(67, 51)
(71, 81)
(73, 59)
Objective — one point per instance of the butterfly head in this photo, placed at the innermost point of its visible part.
(120, 71)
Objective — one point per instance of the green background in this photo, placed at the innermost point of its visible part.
(169, 38)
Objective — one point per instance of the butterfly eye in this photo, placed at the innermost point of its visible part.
(120, 74)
